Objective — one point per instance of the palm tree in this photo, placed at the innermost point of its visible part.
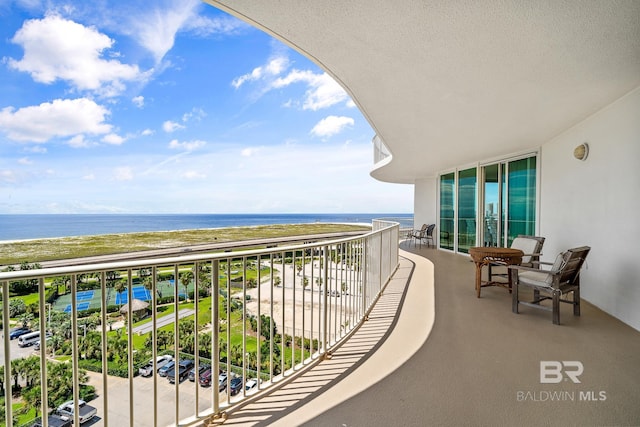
(119, 286)
(204, 342)
(185, 278)
(56, 342)
(31, 398)
(165, 338)
(31, 370)
(17, 370)
(25, 319)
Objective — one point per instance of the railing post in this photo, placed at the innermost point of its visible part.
(44, 391)
(325, 299)
(364, 271)
(215, 341)
(8, 414)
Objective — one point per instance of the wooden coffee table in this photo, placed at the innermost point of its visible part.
(485, 255)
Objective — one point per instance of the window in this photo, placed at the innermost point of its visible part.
(447, 203)
(467, 209)
(503, 202)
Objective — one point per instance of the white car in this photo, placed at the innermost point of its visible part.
(85, 412)
(147, 370)
(251, 384)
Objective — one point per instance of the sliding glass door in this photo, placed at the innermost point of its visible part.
(521, 198)
(509, 201)
(488, 206)
(447, 210)
(467, 209)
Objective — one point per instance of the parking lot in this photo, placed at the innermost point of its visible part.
(118, 400)
(16, 351)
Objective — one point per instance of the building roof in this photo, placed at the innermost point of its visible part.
(445, 83)
(136, 305)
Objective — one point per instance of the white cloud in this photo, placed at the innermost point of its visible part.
(78, 141)
(204, 26)
(156, 30)
(59, 49)
(195, 114)
(60, 118)
(248, 152)
(123, 173)
(187, 146)
(147, 132)
(8, 177)
(25, 161)
(193, 175)
(331, 125)
(170, 126)
(89, 177)
(36, 149)
(138, 101)
(274, 67)
(322, 91)
(113, 139)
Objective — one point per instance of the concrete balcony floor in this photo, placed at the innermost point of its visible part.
(432, 353)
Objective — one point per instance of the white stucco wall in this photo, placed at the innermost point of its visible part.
(597, 203)
(425, 202)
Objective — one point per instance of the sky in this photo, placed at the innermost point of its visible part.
(177, 107)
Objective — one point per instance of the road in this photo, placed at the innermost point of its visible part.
(162, 321)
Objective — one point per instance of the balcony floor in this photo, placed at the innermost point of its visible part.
(473, 363)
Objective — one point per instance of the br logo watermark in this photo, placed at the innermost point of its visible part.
(556, 372)
(553, 371)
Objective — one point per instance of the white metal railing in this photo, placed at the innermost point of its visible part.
(380, 151)
(263, 314)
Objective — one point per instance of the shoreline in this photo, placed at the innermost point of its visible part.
(81, 247)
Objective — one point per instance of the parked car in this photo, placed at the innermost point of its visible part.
(36, 345)
(166, 368)
(222, 381)
(235, 386)
(201, 369)
(85, 411)
(205, 378)
(18, 332)
(181, 371)
(251, 384)
(147, 369)
(54, 421)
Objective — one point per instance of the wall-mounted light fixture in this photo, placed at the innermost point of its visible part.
(581, 152)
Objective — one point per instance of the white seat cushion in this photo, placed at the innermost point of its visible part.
(542, 278)
(528, 246)
(535, 278)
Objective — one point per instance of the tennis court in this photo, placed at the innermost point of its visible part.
(84, 295)
(91, 299)
(81, 306)
(138, 292)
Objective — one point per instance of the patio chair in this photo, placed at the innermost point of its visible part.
(532, 248)
(417, 234)
(564, 277)
(427, 236)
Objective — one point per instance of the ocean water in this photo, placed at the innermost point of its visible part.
(19, 227)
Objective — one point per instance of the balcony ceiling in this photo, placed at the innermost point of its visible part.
(445, 83)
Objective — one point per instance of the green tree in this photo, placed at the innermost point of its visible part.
(16, 307)
(185, 279)
(25, 319)
(204, 342)
(2, 385)
(119, 286)
(31, 398)
(165, 338)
